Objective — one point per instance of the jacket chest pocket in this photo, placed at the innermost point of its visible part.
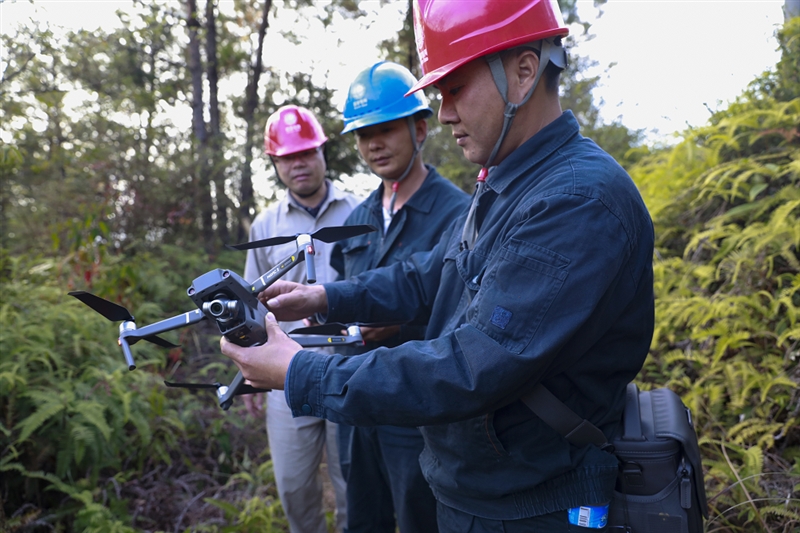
(515, 289)
(356, 254)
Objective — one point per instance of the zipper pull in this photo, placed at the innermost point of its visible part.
(686, 489)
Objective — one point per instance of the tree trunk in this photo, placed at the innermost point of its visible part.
(203, 189)
(216, 159)
(247, 202)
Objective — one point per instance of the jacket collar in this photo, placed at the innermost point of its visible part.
(533, 151)
(422, 200)
(334, 195)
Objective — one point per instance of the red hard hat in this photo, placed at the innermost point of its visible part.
(450, 34)
(292, 129)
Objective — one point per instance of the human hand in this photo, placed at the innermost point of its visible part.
(377, 334)
(264, 366)
(294, 301)
(254, 403)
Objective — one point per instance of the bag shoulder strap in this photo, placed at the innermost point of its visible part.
(561, 418)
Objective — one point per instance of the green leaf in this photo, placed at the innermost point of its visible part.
(230, 510)
(93, 412)
(33, 422)
(755, 190)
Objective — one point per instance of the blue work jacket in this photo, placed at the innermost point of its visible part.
(416, 226)
(557, 289)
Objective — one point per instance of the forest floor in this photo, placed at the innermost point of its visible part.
(174, 494)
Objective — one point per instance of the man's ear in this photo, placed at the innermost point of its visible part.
(521, 72)
(421, 128)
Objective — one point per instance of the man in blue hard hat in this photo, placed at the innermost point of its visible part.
(411, 208)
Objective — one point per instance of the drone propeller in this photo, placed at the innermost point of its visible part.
(340, 233)
(330, 234)
(214, 385)
(243, 388)
(110, 310)
(116, 313)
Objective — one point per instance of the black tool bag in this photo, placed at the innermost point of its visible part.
(660, 485)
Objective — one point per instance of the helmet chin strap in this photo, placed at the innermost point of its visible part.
(417, 148)
(470, 231)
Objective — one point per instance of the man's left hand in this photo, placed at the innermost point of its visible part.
(264, 366)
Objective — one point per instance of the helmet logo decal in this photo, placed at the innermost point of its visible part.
(291, 125)
(357, 92)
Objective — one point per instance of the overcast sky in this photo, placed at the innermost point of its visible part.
(672, 59)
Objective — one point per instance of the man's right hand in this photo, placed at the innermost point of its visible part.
(294, 301)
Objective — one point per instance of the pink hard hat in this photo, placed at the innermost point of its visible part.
(292, 129)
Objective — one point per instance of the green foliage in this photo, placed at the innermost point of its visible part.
(254, 515)
(726, 208)
(107, 189)
(75, 423)
(66, 407)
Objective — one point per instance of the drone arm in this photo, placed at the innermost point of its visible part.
(313, 341)
(179, 321)
(275, 273)
(236, 388)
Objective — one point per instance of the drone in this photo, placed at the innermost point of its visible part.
(225, 297)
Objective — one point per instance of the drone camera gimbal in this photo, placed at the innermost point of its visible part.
(226, 298)
(229, 300)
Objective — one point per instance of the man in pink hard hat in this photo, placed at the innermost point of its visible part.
(295, 142)
(544, 288)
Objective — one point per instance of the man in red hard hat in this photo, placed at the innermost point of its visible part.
(294, 141)
(546, 284)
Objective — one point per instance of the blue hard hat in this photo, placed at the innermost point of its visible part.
(377, 95)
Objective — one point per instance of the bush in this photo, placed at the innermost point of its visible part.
(89, 446)
(726, 206)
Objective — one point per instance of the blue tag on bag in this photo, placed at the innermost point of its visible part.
(589, 516)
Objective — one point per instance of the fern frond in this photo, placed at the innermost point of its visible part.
(43, 414)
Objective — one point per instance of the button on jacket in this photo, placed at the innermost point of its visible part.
(557, 289)
(418, 225)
